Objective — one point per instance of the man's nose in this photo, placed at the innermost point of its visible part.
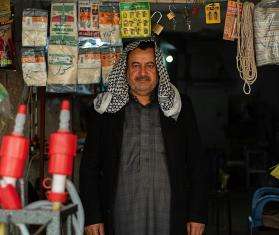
(143, 71)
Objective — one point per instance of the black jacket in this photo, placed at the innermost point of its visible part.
(186, 164)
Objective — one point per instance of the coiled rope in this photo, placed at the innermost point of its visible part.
(245, 58)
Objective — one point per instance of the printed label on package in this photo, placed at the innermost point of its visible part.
(135, 19)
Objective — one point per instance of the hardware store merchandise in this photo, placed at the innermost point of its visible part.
(156, 117)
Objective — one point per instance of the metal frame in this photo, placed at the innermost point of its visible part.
(51, 219)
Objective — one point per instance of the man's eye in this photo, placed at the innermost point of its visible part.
(136, 66)
(151, 66)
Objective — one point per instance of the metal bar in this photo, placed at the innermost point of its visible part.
(54, 226)
(37, 216)
(25, 217)
(68, 210)
(42, 131)
(69, 225)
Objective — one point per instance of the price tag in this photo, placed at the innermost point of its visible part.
(135, 19)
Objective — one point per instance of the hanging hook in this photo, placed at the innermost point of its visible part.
(159, 17)
(173, 7)
(187, 18)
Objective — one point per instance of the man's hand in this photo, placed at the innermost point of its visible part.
(95, 229)
(195, 228)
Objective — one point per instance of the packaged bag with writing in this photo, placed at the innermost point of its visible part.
(5, 12)
(109, 56)
(88, 19)
(63, 24)
(5, 17)
(89, 63)
(5, 5)
(62, 64)
(109, 20)
(266, 32)
(135, 19)
(34, 27)
(7, 50)
(34, 66)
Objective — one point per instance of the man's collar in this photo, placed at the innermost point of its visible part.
(153, 99)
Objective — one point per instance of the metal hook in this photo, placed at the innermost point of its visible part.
(159, 17)
(172, 6)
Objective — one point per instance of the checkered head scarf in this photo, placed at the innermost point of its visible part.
(117, 94)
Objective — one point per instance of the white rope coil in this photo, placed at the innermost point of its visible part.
(245, 58)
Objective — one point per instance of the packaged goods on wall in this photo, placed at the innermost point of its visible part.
(63, 50)
(6, 45)
(88, 19)
(34, 27)
(34, 66)
(109, 56)
(266, 32)
(63, 26)
(109, 20)
(5, 5)
(135, 19)
(62, 64)
(213, 13)
(89, 65)
(231, 20)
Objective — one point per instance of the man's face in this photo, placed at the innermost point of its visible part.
(142, 71)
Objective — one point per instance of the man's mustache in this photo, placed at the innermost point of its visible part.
(143, 78)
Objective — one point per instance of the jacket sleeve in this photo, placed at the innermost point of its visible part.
(197, 169)
(91, 171)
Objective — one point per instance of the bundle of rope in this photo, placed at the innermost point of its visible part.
(245, 58)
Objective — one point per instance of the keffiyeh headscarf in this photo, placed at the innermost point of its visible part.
(117, 94)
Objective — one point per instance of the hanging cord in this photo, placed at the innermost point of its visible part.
(245, 58)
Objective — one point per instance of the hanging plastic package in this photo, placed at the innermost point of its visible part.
(266, 32)
(88, 19)
(5, 11)
(89, 64)
(5, 17)
(62, 64)
(62, 51)
(7, 49)
(5, 5)
(230, 33)
(34, 66)
(212, 13)
(34, 27)
(63, 24)
(61, 89)
(109, 20)
(109, 56)
(135, 19)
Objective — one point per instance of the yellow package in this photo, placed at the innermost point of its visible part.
(213, 13)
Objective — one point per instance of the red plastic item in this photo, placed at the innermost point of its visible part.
(57, 197)
(9, 199)
(13, 152)
(62, 148)
(21, 109)
(65, 105)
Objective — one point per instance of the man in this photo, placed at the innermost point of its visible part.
(143, 172)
